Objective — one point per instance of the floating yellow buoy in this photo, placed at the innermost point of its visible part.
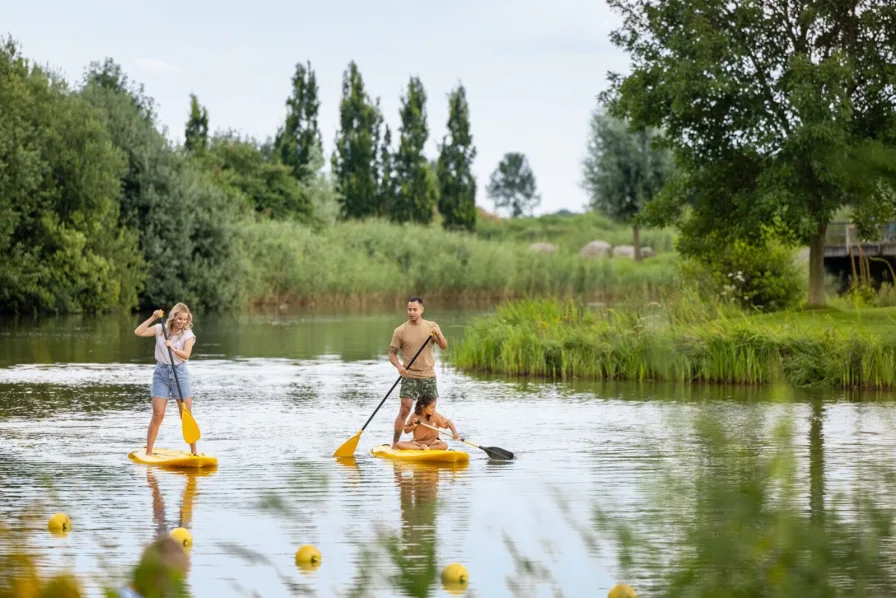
(455, 573)
(308, 554)
(60, 524)
(622, 590)
(183, 536)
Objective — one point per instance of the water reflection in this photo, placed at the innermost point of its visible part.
(187, 499)
(415, 555)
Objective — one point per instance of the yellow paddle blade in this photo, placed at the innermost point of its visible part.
(189, 427)
(349, 446)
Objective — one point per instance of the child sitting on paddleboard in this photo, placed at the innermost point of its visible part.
(426, 438)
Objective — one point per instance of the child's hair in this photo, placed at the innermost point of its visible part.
(422, 402)
(162, 569)
(179, 308)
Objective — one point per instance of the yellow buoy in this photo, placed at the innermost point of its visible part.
(308, 554)
(183, 536)
(59, 524)
(455, 573)
(622, 590)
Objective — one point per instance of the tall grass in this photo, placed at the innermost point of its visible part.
(687, 342)
(378, 260)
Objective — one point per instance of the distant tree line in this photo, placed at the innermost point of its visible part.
(98, 209)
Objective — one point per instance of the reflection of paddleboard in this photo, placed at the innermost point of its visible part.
(444, 456)
(169, 458)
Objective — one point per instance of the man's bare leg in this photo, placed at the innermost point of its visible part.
(403, 414)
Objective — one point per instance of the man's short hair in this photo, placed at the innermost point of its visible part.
(417, 299)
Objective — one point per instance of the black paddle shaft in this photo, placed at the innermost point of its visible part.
(420, 350)
(171, 357)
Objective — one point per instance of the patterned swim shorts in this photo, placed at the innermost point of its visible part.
(411, 388)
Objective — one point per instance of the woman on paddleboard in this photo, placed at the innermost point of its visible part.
(164, 386)
(426, 438)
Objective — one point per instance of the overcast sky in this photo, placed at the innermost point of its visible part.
(531, 68)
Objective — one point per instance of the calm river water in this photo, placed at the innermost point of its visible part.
(275, 395)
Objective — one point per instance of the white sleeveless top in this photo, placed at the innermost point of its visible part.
(180, 340)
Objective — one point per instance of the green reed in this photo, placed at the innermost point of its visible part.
(374, 260)
(687, 341)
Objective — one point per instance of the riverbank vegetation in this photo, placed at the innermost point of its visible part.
(684, 339)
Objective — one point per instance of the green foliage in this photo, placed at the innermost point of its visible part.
(240, 167)
(300, 134)
(185, 223)
(623, 170)
(768, 108)
(417, 186)
(457, 185)
(196, 131)
(512, 185)
(387, 190)
(763, 276)
(353, 158)
(685, 340)
(570, 232)
(59, 179)
(377, 260)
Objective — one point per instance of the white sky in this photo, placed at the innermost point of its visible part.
(531, 69)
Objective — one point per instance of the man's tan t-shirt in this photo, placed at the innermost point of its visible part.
(408, 338)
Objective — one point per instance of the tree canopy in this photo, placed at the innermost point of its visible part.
(772, 110)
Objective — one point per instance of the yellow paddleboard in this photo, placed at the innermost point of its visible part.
(386, 451)
(168, 458)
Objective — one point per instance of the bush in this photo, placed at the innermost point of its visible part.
(759, 276)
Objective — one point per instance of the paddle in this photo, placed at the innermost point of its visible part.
(492, 451)
(188, 425)
(348, 447)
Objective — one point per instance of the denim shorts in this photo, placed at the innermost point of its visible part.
(163, 384)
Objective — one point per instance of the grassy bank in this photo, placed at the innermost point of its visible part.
(374, 260)
(570, 231)
(684, 342)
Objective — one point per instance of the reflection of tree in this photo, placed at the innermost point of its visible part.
(415, 552)
(816, 462)
(188, 497)
(737, 523)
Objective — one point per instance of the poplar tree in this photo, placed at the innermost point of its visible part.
(354, 156)
(457, 185)
(417, 187)
(300, 133)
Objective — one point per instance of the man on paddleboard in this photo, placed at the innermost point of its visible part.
(420, 378)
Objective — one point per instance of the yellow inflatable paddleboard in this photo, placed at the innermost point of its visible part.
(386, 451)
(168, 458)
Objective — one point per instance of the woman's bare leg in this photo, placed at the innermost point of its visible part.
(158, 414)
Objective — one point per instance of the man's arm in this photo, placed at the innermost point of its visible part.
(393, 359)
(439, 338)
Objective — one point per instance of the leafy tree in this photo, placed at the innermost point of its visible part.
(268, 187)
(354, 156)
(196, 132)
(59, 178)
(512, 185)
(388, 183)
(623, 171)
(186, 224)
(417, 187)
(297, 139)
(457, 185)
(771, 108)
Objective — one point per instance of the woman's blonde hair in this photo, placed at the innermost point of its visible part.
(178, 308)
